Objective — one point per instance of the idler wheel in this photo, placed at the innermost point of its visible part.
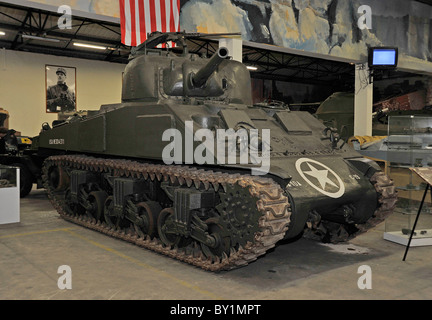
(148, 212)
(57, 178)
(167, 231)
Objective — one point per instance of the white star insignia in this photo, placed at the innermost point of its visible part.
(320, 175)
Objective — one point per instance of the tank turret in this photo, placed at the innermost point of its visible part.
(188, 167)
(155, 75)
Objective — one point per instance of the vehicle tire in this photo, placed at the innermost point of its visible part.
(26, 181)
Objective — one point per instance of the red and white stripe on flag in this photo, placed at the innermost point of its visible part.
(140, 17)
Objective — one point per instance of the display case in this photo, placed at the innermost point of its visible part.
(409, 145)
(9, 194)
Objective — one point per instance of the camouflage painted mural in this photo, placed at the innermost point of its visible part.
(323, 26)
(103, 7)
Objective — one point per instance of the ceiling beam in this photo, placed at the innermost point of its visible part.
(429, 2)
(58, 34)
(82, 54)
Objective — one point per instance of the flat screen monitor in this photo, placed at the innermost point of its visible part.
(383, 58)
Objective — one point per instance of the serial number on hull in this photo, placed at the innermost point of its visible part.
(56, 141)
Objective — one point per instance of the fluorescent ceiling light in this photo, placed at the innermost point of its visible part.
(91, 46)
(252, 68)
(2, 33)
(27, 36)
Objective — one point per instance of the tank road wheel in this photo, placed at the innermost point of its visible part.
(96, 201)
(166, 229)
(148, 212)
(73, 208)
(223, 241)
(111, 219)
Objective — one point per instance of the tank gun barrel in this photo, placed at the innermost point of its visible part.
(199, 79)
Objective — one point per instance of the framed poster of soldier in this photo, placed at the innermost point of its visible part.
(60, 88)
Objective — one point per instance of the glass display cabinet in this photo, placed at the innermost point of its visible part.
(409, 145)
(9, 194)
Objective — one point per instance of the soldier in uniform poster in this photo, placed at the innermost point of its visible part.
(60, 96)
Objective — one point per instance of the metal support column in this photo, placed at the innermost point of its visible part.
(363, 100)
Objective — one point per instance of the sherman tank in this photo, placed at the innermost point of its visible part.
(166, 169)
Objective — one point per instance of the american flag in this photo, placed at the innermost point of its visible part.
(141, 17)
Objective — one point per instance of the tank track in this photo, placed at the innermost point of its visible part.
(387, 198)
(336, 232)
(271, 203)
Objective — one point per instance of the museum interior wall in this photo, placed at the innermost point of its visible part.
(23, 86)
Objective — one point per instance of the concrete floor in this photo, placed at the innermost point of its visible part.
(104, 268)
